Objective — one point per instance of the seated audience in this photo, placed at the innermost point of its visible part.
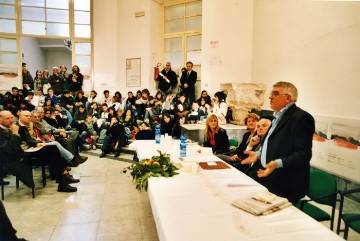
(166, 124)
(116, 135)
(220, 107)
(176, 130)
(195, 114)
(204, 95)
(145, 132)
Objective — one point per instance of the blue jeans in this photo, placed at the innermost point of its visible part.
(63, 152)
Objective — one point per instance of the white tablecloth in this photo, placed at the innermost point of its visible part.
(196, 206)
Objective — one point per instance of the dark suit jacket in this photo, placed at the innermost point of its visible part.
(190, 80)
(10, 149)
(221, 142)
(291, 141)
(163, 84)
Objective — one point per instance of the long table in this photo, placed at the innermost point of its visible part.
(195, 205)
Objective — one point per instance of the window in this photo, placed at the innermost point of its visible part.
(45, 17)
(7, 16)
(82, 18)
(8, 58)
(182, 34)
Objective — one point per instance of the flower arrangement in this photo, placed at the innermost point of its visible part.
(157, 166)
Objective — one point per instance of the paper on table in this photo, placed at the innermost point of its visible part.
(236, 182)
(200, 158)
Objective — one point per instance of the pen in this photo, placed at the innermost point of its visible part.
(261, 200)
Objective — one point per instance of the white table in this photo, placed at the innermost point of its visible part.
(196, 206)
(195, 132)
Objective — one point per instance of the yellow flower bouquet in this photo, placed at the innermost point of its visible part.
(157, 166)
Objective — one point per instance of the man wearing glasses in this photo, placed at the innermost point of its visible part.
(284, 160)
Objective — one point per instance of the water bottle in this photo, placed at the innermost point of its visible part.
(157, 134)
(182, 145)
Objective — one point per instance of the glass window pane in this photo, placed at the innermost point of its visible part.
(7, 26)
(193, 42)
(82, 17)
(7, 44)
(173, 12)
(7, 11)
(194, 56)
(33, 28)
(173, 26)
(193, 8)
(58, 29)
(84, 61)
(7, 1)
(62, 4)
(82, 5)
(83, 48)
(82, 31)
(172, 44)
(174, 58)
(59, 16)
(37, 3)
(37, 14)
(8, 58)
(193, 23)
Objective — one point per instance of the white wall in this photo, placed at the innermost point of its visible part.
(119, 35)
(34, 57)
(55, 59)
(316, 46)
(230, 22)
(105, 51)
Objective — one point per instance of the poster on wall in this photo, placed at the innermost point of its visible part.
(336, 146)
(133, 72)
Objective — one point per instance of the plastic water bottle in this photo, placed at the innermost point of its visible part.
(157, 134)
(182, 145)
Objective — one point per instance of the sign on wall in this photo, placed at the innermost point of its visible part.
(133, 72)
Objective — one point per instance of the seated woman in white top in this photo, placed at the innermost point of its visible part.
(220, 107)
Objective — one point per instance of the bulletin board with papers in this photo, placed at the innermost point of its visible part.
(133, 72)
(336, 147)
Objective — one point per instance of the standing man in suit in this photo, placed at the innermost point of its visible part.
(284, 160)
(188, 81)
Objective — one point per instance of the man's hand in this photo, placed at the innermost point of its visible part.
(270, 167)
(254, 141)
(186, 85)
(253, 157)
(40, 144)
(234, 158)
(14, 129)
(62, 134)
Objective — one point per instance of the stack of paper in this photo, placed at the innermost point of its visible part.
(261, 203)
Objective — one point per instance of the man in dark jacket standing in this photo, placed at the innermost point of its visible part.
(284, 160)
(188, 81)
(167, 79)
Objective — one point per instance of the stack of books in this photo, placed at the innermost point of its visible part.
(261, 203)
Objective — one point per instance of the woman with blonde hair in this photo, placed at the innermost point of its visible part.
(215, 136)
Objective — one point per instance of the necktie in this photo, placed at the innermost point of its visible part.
(188, 73)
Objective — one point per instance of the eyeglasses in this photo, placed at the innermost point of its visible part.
(275, 94)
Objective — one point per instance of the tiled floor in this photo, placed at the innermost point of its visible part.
(107, 207)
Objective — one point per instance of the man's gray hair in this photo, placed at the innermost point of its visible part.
(289, 89)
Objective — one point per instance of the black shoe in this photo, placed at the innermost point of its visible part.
(3, 182)
(73, 164)
(66, 188)
(103, 154)
(67, 179)
(84, 158)
(117, 153)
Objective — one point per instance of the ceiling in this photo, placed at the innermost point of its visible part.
(53, 45)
